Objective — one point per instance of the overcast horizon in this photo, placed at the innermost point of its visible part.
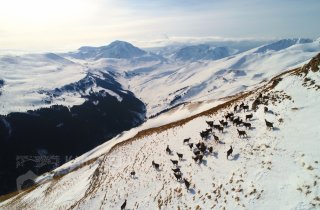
(43, 25)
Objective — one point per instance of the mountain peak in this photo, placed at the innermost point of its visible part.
(116, 49)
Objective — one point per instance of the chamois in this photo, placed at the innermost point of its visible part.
(180, 156)
(132, 174)
(186, 140)
(247, 125)
(186, 183)
(210, 123)
(176, 170)
(155, 165)
(269, 124)
(241, 133)
(123, 206)
(249, 116)
(178, 176)
(168, 150)
(229, 152)
(175, 162)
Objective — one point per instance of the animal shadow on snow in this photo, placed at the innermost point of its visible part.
(236, 156)
(192, 191)
(204, 162)
(215, 154)
(275, 129)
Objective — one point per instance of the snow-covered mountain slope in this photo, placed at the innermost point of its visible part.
(166, 84)
(47, 101)
(203, 52)
(274, 168)
(25, 75)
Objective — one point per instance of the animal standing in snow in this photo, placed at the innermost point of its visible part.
(168, 150)
(245, 107)
(247, 125)
(178, 176)
(249, 116)
(176, 170)
(174, 162)
(229, 152)
(132, 174)
(210, 123)
(216, 138)
(186, 140)
(242, 133)
(180, 156)
(269, 124)
(123, 206)
(186, 183)
(155, 165)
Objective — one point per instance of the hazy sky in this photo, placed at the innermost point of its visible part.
(69, 24)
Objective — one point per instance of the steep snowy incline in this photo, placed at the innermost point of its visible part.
(270, 168)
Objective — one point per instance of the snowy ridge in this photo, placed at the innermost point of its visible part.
(171, 83)
(269, 168)
(203, 52)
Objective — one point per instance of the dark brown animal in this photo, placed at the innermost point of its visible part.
(176, 170)
(180, 156)
(241, 133)
(195, 158)
(132, 174)
(247, 125)
(197, 152)
(186, 140)
(216, 138)
(191, 145)
(175, 162)
(186, 183)
(249, 116)
(235, 108)
(178, 176)
(210, 123)
(245, 107)
(168, 150)
(269, 124)
(220, 129)
(225, 124)
(123, 206)
(229, 152)
(155, 165)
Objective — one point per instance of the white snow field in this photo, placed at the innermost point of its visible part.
(25, 76)
(275, 168)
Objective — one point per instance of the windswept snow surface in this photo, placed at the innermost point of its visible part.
(275, 168)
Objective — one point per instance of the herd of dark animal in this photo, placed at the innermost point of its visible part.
(201, 149)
